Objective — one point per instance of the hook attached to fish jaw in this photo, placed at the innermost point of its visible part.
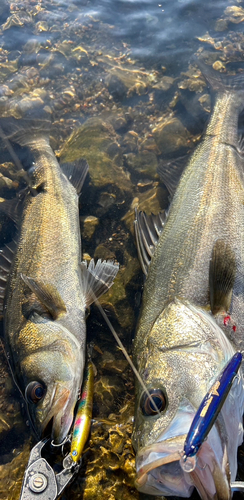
(40, 480)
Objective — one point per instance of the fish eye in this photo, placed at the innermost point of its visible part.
(34, 392)
(159, 399)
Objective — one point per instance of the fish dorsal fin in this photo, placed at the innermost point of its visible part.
(148, 229)
(222, 273)
(97, 278)
(76, 172)
(47, 294)
(170, 172)
(6, 258)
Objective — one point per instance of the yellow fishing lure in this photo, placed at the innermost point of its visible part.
(83, 417)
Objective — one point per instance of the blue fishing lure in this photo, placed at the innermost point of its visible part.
(208, 411)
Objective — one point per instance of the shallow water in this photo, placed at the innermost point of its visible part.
(120, 76)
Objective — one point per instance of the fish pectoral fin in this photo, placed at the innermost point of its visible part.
(148, 229)
(222, 273)
(220, 81)
(12, 208)
(47, 294)
(76, 172)
(170, 172)
(97, 278)
(6, 258)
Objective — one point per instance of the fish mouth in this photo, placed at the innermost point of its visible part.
(59, 418)
(159, 471)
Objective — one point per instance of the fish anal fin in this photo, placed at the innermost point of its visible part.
(148, 229)
(47, 294)
(222, 273)
(97, 278)
(76, 172)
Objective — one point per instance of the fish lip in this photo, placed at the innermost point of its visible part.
(58, 421)
(209, 478)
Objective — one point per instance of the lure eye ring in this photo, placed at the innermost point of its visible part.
(34, 392)
(159, 398)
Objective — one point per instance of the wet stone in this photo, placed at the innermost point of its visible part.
(116, 298)
(150, 201)
(116, 442)
(112, 364)
(205, 102)
(234, 14)
(165, 83)
(206, 38)
(129, 142)
(17, 19)
(106, 389)
(218, 65)
(89, 225)
(171, 135)
(41, 26)
(116, 88)
(102, 252)
(117, 120)
(105, 202)
(6, 69)
(93, 141)
(144, 183)
(145, 163)
(221, 25)
(149, 144)
(5, 182)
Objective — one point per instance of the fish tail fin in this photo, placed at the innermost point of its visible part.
(220, 82)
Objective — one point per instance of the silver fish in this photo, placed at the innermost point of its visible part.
(192, 315)
(45, 288)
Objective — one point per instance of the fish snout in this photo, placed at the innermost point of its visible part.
(159, 471)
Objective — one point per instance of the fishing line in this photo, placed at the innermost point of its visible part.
(104, 315)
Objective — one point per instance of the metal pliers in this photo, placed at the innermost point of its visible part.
(40, 480)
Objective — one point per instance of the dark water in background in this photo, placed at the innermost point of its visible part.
(115, 68)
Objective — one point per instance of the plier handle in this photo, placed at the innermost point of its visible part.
(40, 480)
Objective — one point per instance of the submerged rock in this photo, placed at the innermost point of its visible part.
(164, 83)
(117, 298)
(93, 141)
(144, 163)
(234, 14)
(151, 201)
(170, 135)
(89, 225)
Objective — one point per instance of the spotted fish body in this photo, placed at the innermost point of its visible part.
(47, 288)
(192, 315)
